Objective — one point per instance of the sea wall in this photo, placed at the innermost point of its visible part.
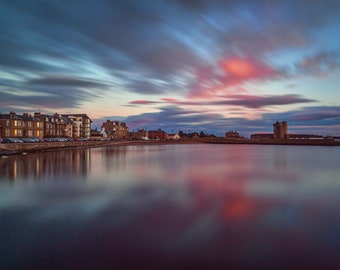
(17, 148)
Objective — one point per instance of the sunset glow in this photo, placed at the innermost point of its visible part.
(239, 68)
(242, 65)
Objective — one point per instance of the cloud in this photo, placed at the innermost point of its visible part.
(316, 114)
(241, 69)
(263, 101)
(67, 54)
(143, 102)
(171, 117)
(44, 97)
(230, 72)
(66, 81)
(248, 101)
(316, 119)
(319, 64)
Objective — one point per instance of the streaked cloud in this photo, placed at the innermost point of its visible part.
(319, 64)
(248, 101)
(203, 56)
(325, 118)
(66, 81)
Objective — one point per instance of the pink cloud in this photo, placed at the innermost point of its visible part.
(239, 100)
(233, 72)
(170, 100)
(239, 69)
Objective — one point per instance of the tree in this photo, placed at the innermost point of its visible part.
(202, 135)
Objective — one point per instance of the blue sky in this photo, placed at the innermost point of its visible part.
(207, 66)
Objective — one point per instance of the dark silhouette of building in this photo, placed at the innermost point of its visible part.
(260, 136)
(232, 134)
(157, 134)
(139, 134)
(280, 130)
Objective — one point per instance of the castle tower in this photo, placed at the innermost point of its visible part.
(280, 130)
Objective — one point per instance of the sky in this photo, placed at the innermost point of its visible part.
(210, 66)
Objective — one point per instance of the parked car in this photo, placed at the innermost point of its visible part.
(12, 140)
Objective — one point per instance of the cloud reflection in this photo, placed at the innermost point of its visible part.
(198, 205)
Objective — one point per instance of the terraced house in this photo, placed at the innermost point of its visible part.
(26, 125)
(56, 125)
(40, 125)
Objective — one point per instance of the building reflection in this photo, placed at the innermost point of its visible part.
(115, 158)
(58, 165)
(280, 159)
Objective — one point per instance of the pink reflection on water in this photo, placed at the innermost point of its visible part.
(202, 206)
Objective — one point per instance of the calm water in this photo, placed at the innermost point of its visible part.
(172, 207)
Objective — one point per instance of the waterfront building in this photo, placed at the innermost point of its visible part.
(12, 125)
(96, 134)
(173, 136)
(232, 134)
(69, 126)
(81, 125)
(280, 130)
(305, 137)
(115, 130)
(139, 134)
(261, 136)
(44, 125)
(33, 126)
(19, 126)
(53, 125)
(157, 134)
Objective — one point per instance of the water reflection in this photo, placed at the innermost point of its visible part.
(47, 166)
(172, 207)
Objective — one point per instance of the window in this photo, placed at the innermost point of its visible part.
(7, 132)
(30, 133)
(29, 124)
(15, 123)
(7, 123)
(19, 132)
(15, 132)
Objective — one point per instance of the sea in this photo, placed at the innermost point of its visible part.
(176, 206)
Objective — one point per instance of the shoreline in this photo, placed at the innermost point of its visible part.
(9, 149)
(20, 148)
(295, 142)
